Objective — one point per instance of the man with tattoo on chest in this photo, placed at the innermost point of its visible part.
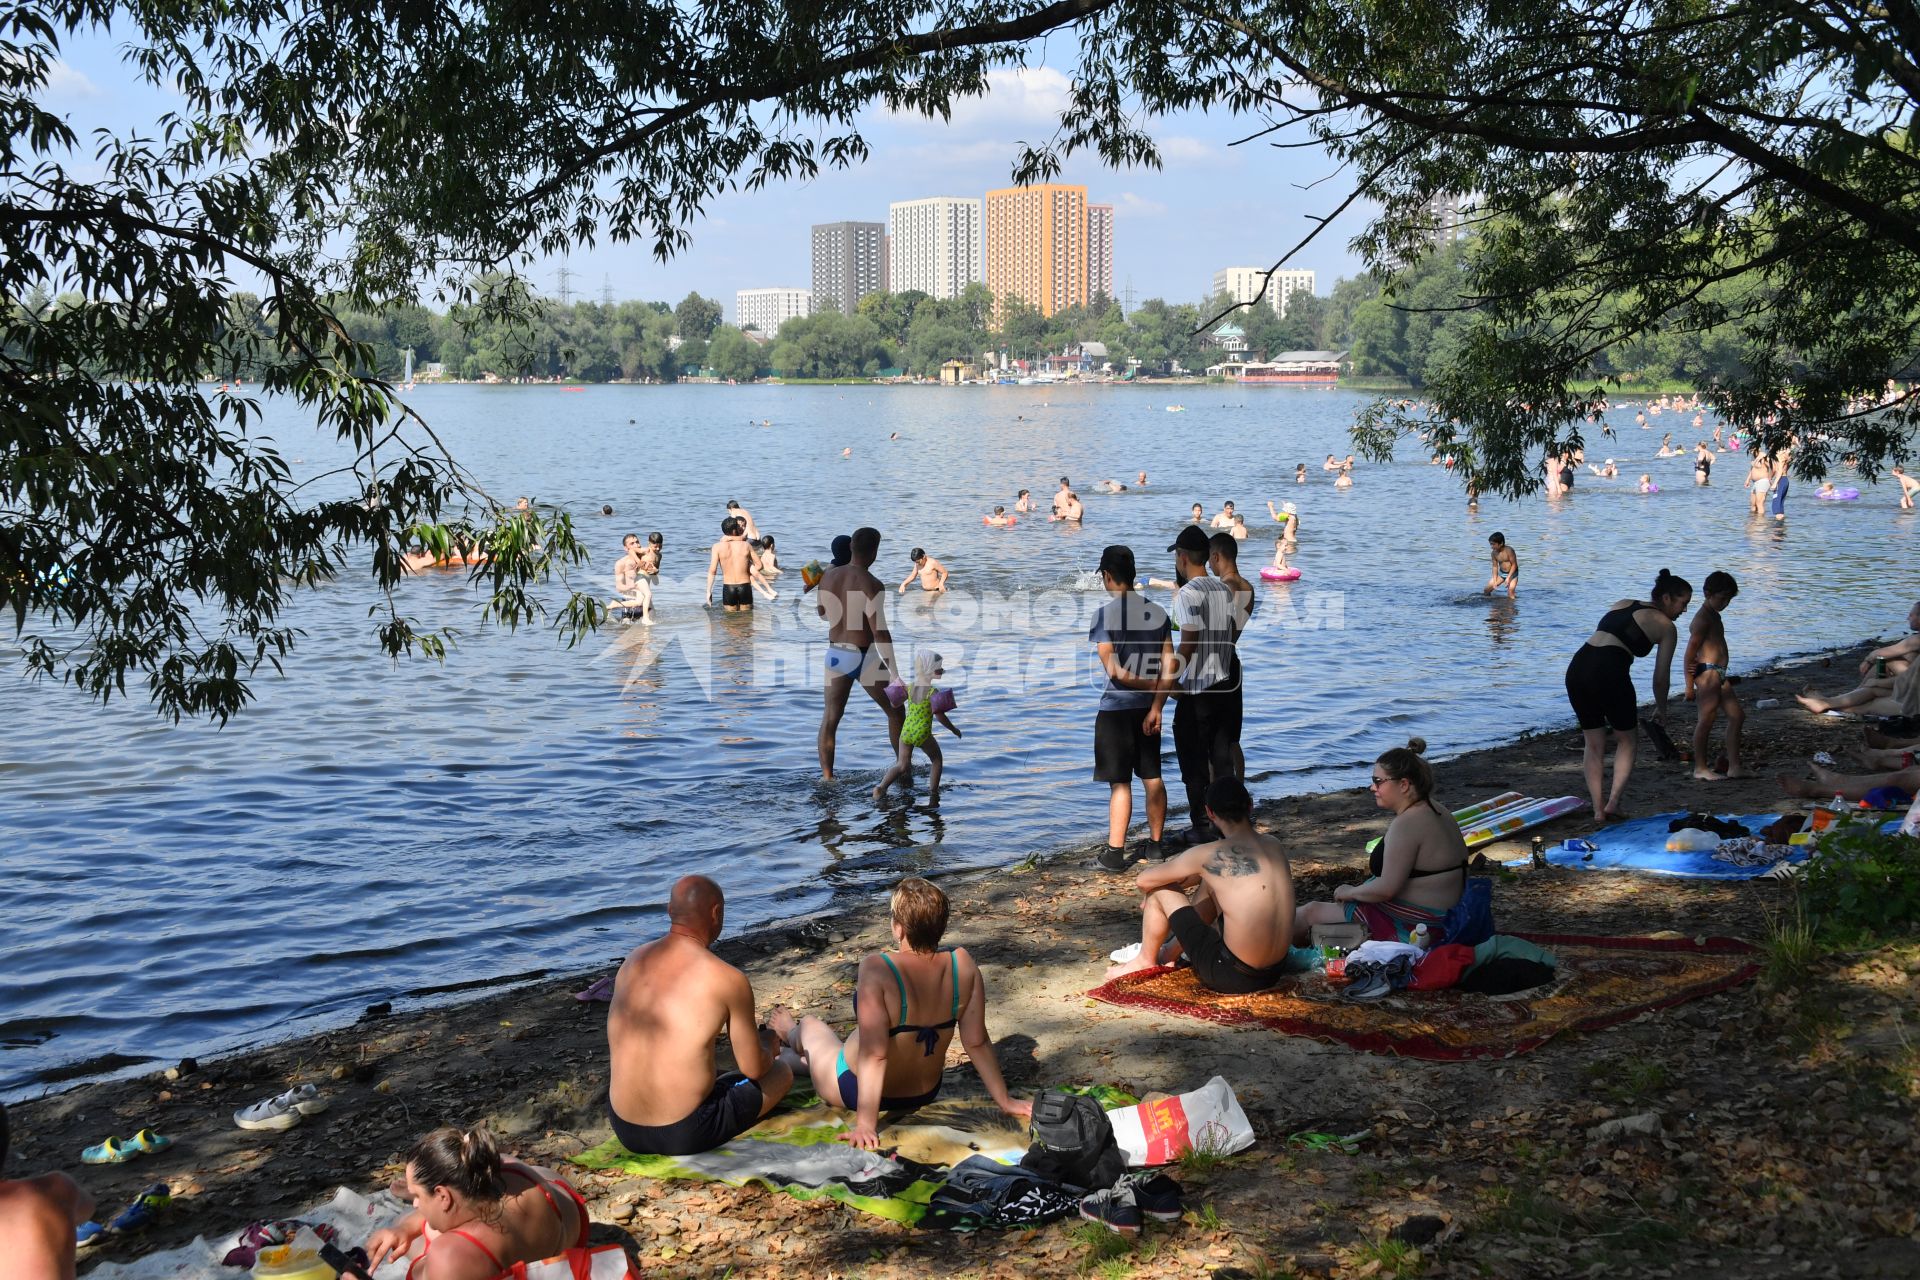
(1236, 930)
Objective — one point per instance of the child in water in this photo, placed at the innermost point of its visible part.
(925, 704)
(1647, 485)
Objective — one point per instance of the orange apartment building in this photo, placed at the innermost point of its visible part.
(1038, 246)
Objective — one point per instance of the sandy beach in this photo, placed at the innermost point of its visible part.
(1787, 1113)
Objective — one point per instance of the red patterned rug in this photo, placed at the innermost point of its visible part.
(1599, 982)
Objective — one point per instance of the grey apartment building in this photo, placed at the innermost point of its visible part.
(849, 262)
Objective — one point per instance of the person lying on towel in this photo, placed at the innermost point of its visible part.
(1236, 929)
(1419, 870)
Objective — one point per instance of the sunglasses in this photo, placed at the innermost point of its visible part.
(1378, 782)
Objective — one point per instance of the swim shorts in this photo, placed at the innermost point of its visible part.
(1218, 968)
(1600, 687)
(846, 660)
(730, 1109)
(737, 593)
(1122, 751)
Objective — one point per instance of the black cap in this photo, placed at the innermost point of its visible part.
(842, 549)
(1194, 541)
(1117, 562)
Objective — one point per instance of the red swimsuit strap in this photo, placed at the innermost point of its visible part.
(455, 1231)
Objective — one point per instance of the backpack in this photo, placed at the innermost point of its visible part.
(1073, 1142)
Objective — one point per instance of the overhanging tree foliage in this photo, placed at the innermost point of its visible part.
(1625, 158)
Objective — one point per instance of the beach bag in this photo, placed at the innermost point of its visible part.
(1073, 1142)
(602, 1262)
(1470, 923)
(1162, 1131)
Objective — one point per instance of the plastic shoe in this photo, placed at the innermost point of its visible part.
(1160, 1198)
(111, 1151)
(145, 1208)
(149, 1141)
(278, 1112)
(306, 1100)
(1114, 1208)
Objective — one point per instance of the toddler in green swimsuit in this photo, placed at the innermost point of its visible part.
(925, 703)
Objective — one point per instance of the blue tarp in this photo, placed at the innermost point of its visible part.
(1640, 844)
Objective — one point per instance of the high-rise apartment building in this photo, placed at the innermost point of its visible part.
(1038, 245)
(765, 310)
(1242, 284)
(934, 245)
(1099, 251)
(1443, 220)
(849, 262)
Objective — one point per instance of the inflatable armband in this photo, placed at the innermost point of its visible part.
(943, 701)
(896, 693)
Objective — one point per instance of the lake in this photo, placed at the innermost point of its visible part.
(371, 831)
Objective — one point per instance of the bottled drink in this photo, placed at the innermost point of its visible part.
(1421, 937)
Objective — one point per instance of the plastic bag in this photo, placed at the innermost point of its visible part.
(604, 1262)
(1161, 1132)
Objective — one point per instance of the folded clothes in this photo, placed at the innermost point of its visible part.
(1725, 828)
(1751, 851)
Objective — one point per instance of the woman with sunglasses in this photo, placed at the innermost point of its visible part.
(1418, 871)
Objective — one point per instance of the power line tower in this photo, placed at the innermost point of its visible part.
(1126, 298)
(606, 290)
(565, 275)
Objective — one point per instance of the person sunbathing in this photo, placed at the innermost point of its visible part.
(1826, 783)
(895, 1056)
(1873, 697)
(670, 999)
(1236, 930)
(1419, 869)
(38, 1217)
(476, 1214)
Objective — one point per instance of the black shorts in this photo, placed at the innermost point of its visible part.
(732, 1108)
(1122, 751)
(737, 593)
(1600, 687)
(1218, 968)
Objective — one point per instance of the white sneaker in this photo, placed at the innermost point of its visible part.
(282, 1111)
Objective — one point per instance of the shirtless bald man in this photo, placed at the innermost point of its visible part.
(859, 645)
(37, 1220)
(670, 999)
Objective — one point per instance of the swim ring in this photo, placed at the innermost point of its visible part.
(1839, 495)
(1010, 522)
(1272, 574)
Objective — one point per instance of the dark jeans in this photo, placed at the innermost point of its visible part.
(1203, 740)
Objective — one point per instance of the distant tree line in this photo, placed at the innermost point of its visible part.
(1405, 330)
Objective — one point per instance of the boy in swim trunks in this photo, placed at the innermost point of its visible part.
(670, 999)
(859, 645)
(1908, 487)
(1236, 930)
(1707, 687)
(739, 569)
(932, 574)
(1506, 566)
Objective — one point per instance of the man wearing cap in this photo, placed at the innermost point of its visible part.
(1204, 663)
(1135, 648)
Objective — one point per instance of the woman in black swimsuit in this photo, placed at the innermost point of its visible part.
(1600, 682)
(889, 1062)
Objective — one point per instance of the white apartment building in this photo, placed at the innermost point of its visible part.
(1243, 283)
(767, 309)
(936, 245)
(1100, 251)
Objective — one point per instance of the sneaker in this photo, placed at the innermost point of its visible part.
(1114, 1209)
(282, 1111)
(306, 1100)
(1159, 1197)
(1143, 850)
(1113, 859)
(145, 1208)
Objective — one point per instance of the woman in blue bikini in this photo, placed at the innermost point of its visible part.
(891, 1063)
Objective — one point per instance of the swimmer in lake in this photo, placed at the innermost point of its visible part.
(1239, 527)
(1110, 486)
(769, 561)
(1908, 487)
(1023, 501)
(1300, 473)
(1344, 480)
(1141, 479)
(1331, 464)
(631, 588)
(745, 517)
(1702, 464)
(1060, 497)
(1199, 515)
(733, 559)
(1225, 519)
(1506, 566)
(1000, 519)
(1070, 509)
(932, 574)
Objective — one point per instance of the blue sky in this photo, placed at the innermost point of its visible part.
(1212, 205)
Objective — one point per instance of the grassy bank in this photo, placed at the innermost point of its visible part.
(1787, 1111)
